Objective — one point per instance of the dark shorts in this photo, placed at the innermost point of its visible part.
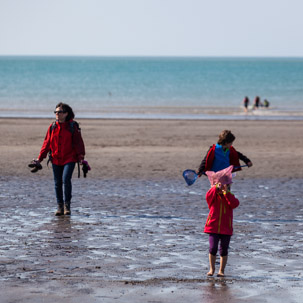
(214, 243)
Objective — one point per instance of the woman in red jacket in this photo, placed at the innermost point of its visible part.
(219, 223)
(64, 142)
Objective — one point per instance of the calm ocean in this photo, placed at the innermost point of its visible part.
(134, 87)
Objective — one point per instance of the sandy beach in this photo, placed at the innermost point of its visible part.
(136, 230)
(153, 149)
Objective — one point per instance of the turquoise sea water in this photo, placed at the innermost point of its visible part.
(120, 86)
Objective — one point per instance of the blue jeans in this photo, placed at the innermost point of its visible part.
(63, 176)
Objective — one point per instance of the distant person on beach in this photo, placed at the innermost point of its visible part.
(246, 103)
(257, 102)
(266, 103)
(222, 155)
(64, 142)
(219, 223)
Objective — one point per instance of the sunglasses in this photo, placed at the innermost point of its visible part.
(59, 112)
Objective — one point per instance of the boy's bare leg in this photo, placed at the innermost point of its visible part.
(223, 261)
(212, 263)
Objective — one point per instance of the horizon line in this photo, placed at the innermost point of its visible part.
(153, 56)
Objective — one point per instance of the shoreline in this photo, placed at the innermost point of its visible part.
(207, 113)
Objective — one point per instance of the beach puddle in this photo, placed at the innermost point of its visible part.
(132, 231)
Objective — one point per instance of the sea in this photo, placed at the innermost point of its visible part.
(151, 87)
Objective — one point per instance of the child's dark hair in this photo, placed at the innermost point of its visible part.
(226, 137)
(68, 109)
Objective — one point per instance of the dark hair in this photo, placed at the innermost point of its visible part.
(68, 109)
(226, 137)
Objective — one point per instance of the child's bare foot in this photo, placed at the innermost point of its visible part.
(220, 274)
(210, 273)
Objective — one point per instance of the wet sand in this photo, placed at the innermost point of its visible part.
(136, 230)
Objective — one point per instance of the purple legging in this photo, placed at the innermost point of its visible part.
(214, 242)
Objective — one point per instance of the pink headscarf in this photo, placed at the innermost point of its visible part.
(223, 176)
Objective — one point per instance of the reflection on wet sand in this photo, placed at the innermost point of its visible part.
(148, 233)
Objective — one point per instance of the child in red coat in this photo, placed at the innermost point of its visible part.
(219, 223)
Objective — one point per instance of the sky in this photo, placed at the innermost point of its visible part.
(270, 28)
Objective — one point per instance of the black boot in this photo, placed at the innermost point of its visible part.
(60, 210)
(67, 208)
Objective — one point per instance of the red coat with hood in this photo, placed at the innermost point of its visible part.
(220, 217)
(65, 145)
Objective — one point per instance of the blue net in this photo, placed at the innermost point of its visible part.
(190, 176)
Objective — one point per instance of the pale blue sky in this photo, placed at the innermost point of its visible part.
(152, 27)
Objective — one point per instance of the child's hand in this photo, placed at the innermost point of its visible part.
(224, 189)
(200, 173)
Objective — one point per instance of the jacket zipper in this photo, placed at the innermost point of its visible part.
(220, 216)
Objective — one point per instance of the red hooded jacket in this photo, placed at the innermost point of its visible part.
(65, 145)
(220, 217)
